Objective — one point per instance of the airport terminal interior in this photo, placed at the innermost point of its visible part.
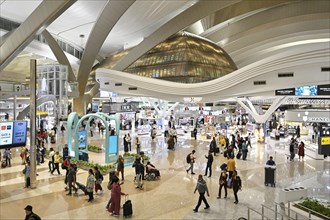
(241, 87)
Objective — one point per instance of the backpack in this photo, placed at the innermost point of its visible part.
(188, 158)
(35, 217)
(239, 182)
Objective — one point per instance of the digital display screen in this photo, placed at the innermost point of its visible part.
(306, 91)
(19, 134)
(113, 143)
(6, 133)
(82, 139)
(13, 134)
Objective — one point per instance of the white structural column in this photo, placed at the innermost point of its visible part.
(108, 18)
(59, 54)
(38, 21)
(251, 110)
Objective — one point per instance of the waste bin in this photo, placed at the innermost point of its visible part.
(83, 156)
(270, 175)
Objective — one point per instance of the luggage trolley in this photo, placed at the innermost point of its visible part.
(270, 175)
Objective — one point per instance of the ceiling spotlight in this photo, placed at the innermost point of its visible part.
(306, 112)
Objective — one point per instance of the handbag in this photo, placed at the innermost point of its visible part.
(24, 170)
(99, 181)
(109, 186)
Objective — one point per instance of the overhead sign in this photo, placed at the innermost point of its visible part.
(285, 92)
(323, 89)
(305, 91)
(192, 99)
(318, 119)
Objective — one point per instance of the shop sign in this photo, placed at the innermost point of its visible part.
(284, 92)
(325, 141)
(323, 89)
(126, 108)
(318, 119)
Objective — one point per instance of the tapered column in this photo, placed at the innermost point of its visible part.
(33, 173)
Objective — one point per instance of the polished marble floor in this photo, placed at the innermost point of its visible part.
(172, 196)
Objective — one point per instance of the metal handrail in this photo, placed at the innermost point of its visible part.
(289, 210)
(310, 211)
(275, 211)
(255, 212)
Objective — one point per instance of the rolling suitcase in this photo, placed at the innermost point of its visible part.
(270, 176)
(52, 140)
(217, 150)
(223, 166)
(239, 154)
(127, 207)
(82, 187)
(3, 164)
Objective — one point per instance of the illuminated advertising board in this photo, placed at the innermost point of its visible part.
(19, 132)
(6, 133)
(12, 134)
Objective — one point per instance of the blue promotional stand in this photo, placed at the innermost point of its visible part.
(81, 140)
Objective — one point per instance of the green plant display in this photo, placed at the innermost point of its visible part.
(104, 169)
(144, 157)
(316, 206)
(94, 148)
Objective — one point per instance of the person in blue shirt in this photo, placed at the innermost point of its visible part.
(270, 162)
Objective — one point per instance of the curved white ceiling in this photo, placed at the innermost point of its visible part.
(306, 62)
(262, 37)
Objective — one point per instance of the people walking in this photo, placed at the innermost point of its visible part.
(129, 142)
(202, 188)
(98, 180)
(90, 185)
(231, 166)
(116, 194)
(209, 163)
(138, 145)
(222, 183)
(26, 173)
(7, 156)
(213, 146)
(120, 166)
(301, 150)
(175, 135)
(248, 139)
(125, 143)
(29, 215)
(71, 179)
(56, 163)
(244, 150)
(191, 160)
(237, 185)
(139, 170)
(62, 129)
(51, 159)
(195, 133)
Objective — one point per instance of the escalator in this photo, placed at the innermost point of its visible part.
(40, 101)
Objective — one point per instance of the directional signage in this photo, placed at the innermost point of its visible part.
(6, 132)
(325, 141)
